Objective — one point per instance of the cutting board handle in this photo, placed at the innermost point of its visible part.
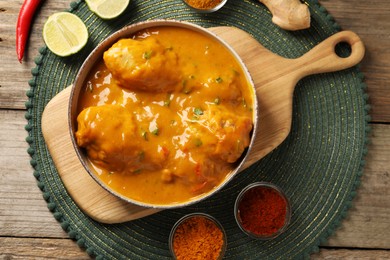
(323, 57)
(275, 78)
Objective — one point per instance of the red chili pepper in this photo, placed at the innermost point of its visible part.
(26, 14)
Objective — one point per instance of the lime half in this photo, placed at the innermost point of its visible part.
(107, 9)
(65, 34)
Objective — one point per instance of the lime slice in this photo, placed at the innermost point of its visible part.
(65, 34)
(107, 9)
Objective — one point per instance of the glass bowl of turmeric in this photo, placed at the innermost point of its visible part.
(205, 6)
(197, 236)
(262, 210)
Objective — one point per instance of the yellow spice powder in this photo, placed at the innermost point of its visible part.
(203, 4)
(198, 238)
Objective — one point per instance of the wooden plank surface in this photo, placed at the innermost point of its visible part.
(23, 211)
(41, 248)
(371, 21)
(28, 230)
(29, 248)
(351, 254)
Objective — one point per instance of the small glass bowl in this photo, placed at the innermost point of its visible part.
(210, 10)
(202, 215)
(241, 196)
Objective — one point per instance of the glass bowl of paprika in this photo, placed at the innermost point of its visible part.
(197, 236)
(262, 210)
(205, 6)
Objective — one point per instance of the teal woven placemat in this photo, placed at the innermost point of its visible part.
(318, 166)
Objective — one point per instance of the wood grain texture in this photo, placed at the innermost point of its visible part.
(14, 76)
(354, 254)
(32, 248)
(23, 211)
(371, 21)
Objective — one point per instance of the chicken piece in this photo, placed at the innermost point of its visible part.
(232, 132)
(226, 87)
(235, 137)
(110, 137)
(197, 171)
(143, 65)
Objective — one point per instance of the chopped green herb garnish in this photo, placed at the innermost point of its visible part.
(219, 80)
(217, 101)
(235, 72)
(155, 131)
(198, 111)
(136, 171)
(147, 55)
(185, 88)
(144, 135)
(141, 155)
(198, 142)
(167, 101)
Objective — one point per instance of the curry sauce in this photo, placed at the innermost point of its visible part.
(165, 115)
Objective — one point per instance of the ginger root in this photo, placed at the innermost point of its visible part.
(288, 14)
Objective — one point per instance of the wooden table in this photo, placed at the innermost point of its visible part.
(28, 229)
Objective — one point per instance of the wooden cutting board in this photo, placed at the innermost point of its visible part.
(274, 77)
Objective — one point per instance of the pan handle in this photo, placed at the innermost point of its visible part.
(323, 57)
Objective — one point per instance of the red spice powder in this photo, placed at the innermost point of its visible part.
(262, 211)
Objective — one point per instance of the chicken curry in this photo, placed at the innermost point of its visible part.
(165, 115)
